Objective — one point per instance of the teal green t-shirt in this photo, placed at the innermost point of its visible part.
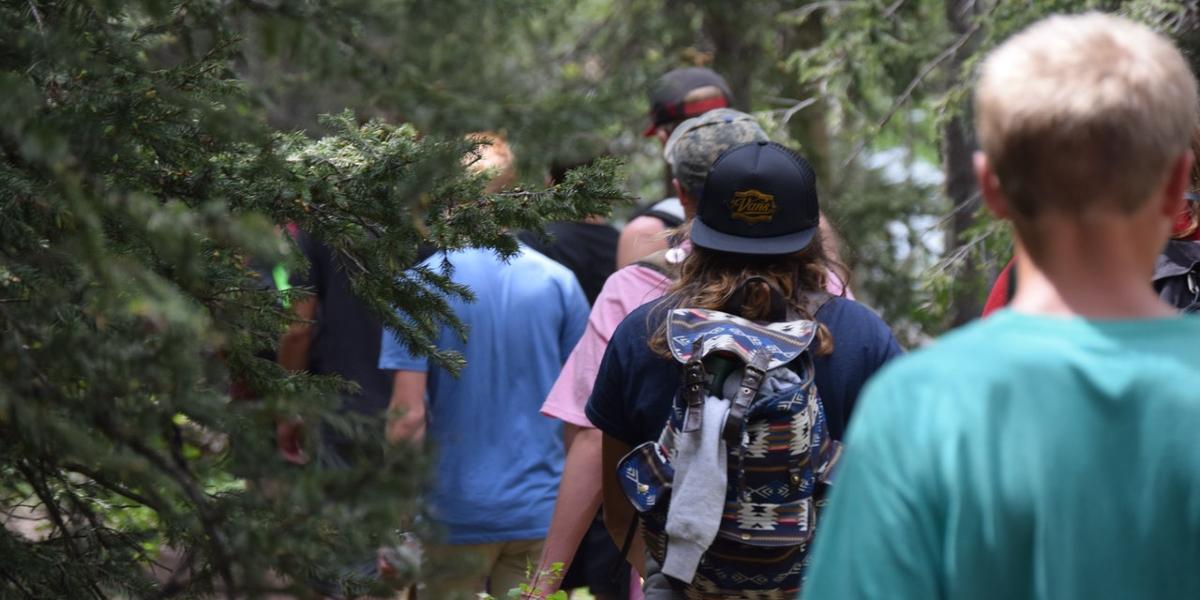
(1023, 457)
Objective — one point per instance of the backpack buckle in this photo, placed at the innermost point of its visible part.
(752, 378)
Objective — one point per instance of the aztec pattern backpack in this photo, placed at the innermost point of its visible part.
(778, 453)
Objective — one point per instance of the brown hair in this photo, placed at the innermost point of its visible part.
(708, 279)
(1083, 113)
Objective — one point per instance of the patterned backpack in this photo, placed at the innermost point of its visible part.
(777, 454)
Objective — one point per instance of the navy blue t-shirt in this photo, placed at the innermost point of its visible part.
(631, 400)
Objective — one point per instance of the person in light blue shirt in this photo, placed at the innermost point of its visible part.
(1049, 451)
(498, 460)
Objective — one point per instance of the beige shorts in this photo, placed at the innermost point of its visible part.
(461, 571)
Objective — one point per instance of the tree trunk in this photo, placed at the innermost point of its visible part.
(736, 50)
(809, 126)
(958, 147)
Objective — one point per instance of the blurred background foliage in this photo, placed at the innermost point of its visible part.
(151, 150)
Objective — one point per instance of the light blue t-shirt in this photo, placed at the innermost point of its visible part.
(499, 460)
(1023, 457)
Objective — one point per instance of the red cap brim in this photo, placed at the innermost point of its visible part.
(686, 110)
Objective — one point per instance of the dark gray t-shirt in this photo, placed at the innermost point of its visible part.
(589, 250)
(346, 336)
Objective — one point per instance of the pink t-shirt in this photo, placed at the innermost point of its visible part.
(624, 291)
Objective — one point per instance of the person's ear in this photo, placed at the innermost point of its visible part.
(989, 187)
(689, 205)
(1179, 181)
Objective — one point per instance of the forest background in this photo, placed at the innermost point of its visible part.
(150, 151)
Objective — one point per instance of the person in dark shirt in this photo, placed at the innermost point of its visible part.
(339, 336)
(588, 248)
(756, 235)
(632, 397)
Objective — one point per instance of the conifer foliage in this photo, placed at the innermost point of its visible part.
(141, 198)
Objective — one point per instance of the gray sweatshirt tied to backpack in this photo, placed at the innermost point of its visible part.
(701, 478)
(697, 492)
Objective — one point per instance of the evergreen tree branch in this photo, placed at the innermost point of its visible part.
(17, 583)
(65, 535)
(138, 182)
(905, 95)
(208, 521)
(155, 503)
(51, 506)
(37, 16)
(890, 11)
(175, 584)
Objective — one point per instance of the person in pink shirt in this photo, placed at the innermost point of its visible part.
(625, 290)
(689, 152)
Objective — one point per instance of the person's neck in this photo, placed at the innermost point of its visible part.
(1088, 273)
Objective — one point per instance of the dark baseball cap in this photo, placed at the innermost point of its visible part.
(759, 198)
(667, 103)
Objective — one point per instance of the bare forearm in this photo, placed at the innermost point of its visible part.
(293, 347)
(293, 356)
(406, 411)
(618, 513)
(578, 501)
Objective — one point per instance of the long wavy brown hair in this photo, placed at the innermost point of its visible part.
(709, 279)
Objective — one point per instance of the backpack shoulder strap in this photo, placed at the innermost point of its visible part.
(658, 261)
(668, 210)
(618, 564)
(814, 301)
(752, 378)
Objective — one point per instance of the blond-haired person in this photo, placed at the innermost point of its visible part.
(1048, 451)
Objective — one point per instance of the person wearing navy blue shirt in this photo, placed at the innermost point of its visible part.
(627, 402)
(756, 237)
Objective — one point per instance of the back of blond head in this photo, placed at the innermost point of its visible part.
(494, 157)
(1082, 113)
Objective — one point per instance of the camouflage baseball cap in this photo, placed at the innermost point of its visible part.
(696, 143)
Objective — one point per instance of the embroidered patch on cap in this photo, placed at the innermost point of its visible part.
(752, 206)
